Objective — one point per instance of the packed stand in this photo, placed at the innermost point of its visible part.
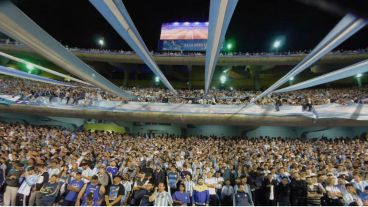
(343, 96)
(50, 166)
(31, 90)
(181, 53)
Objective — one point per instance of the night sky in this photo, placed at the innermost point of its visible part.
(254, 26)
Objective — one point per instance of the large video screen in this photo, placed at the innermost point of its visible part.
(184, 36)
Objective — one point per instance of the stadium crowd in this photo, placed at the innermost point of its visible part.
(31, 90)
(198, 53)
(51, 166)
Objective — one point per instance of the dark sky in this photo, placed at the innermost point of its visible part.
(254, 26)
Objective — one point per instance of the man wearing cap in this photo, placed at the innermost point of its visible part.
(48, 192)
(91, 191)
(74, 186)
(12, 184)
(114, 192)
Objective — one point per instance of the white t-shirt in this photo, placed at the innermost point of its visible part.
(220, 181)
(211, 181)
(333, 189)
(88, 173)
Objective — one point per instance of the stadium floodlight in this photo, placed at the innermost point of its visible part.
(277, 44)
(176, 23)
(30, 66)
(291, 78)
(101, 42)
(186, 23)
(223, 79)
(229, 46)
(157, 79)
(359, 75)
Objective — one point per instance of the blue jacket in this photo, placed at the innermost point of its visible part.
(201, 195)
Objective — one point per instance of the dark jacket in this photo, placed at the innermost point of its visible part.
(242, 199)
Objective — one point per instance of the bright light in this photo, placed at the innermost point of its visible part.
(196, 23)
(277, 44)
(186, 23)
(223, 79)
(101, 42)
(176, 23)
(231, 88)
(207, 23)
(157, 79)
(30, 66)
(229, 46)
(291, 78)
(359, 75)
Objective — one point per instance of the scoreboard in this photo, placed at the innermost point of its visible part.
(184, 36)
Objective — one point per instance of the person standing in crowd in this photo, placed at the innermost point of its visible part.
(189, 186)
(220, 182)
(91, 192)
(42, 179)
(30, 179)
(334, 195)
(351, 198)
(173, 178)
(201, 194)
(181, 197)
(364, 196)
(242, 198)
(127, 189)
(278, 103)
(114, 192)
(112, 169)
(358, 183)
(87, 172)
(12, 184)
(227, 194)
(159, 176)
(161, 197)
(103, 176)
(282, 192)
(268, 188)
(299, 190)
(48, 192)
(315, 192)
(211, 183)
(73, 187)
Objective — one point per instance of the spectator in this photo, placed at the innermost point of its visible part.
(161, 197)
(181, 197)
(242, 198)
(12, 184)
(74, 187)
(91, 193)
(48, 192)
(201, 194)
(282, 192)
(114, 192)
